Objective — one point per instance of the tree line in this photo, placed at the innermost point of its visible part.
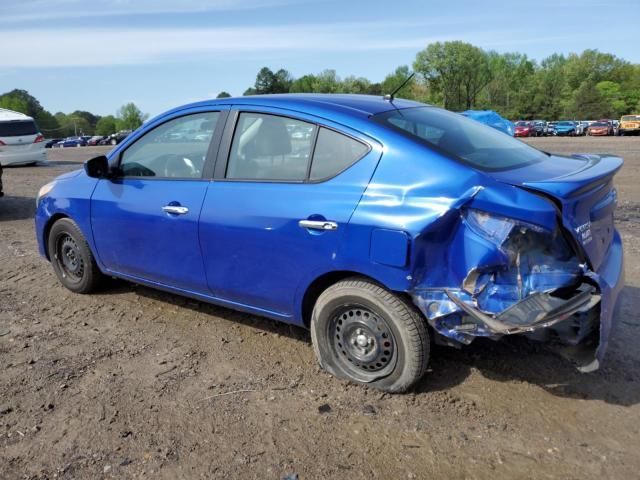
(460, 76)
(456, 75)
(80, 122)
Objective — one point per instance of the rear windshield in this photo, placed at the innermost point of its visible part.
(466, 140)
(630, 118)
(18, 128)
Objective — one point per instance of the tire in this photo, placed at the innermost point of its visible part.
(388, 341)
(71, 257)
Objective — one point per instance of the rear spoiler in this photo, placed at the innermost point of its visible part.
(599, 170)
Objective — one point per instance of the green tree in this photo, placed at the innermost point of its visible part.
(130, 117)
(458, 70)
(326, 81)
(269, 82)
(223, 94)
(395, 79)
(106, 125)
(353, 84)
(303, 84)
(613, 95)
(249, 91)
(587, 102)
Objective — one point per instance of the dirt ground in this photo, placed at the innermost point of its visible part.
(134, 383)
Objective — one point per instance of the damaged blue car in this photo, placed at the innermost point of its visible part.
(382, 225)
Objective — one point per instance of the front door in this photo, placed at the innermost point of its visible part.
(145, 221)
(275, 214)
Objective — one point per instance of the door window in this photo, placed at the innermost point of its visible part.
(270, 147)
(175, 149)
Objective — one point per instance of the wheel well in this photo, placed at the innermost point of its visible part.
(319, 285)
(47, 229)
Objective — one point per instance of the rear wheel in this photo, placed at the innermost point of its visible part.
(366, 334)
(71, 257)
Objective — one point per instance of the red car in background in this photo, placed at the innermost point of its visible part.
(525, 129)
(600, 128)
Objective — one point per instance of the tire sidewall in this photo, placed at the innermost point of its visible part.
(68, 227)
(400, 378)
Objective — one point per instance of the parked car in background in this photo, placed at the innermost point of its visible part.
(437, 226)
(629, 125)
(565, 128)
(51, 142)
(492, 119)
(541, 127)
(551, 128)
(21, 142)
(524, 129)
(95, 140)
(1, 190)
(616, 126)
(600, 128)
(71, 142)
(116, 138)
(581, 127)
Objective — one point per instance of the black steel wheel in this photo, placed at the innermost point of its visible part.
(362, 341)
(366, 334)
(71, 257)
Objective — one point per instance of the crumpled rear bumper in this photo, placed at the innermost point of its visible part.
(571, 316)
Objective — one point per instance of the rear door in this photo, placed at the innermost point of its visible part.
(273, 218)
(145, 221)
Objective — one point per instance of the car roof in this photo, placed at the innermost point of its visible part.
(327, 103)
(10, 115)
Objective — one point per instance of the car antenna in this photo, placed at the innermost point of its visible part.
(391, 96)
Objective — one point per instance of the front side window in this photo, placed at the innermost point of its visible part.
(175, 149)
(467, 140)
(270, 147)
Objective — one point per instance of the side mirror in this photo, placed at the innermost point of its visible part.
(97, 167)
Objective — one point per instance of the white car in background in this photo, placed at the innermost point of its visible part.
(21, 142)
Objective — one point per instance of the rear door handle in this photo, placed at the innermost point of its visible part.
(318, 224)
(175, 209)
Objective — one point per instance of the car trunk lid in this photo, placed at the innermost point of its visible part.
(582, 186)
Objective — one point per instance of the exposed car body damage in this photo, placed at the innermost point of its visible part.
(506, 276)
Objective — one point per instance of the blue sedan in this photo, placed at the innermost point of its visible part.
(385, 225)
(71, 142)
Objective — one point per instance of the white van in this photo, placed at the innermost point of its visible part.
(20, 140)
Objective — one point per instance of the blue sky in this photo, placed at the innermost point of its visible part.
(97, 55)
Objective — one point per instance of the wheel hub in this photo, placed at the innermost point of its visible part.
(69, 257)
(363, 339)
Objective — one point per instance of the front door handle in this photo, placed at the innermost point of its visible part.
(318, 224)
(175, 209)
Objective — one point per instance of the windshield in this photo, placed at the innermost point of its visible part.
(630, 118)
(599, 124)
(463, 139)
(565, 124)
(522, 124)
(18, 128)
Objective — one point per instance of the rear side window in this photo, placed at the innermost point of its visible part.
(334, 153)
(270, 147)
(18, 128)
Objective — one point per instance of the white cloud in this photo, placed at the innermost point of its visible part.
(116, 46)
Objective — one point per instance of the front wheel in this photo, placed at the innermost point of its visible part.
(366, 334)
(71, 257)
